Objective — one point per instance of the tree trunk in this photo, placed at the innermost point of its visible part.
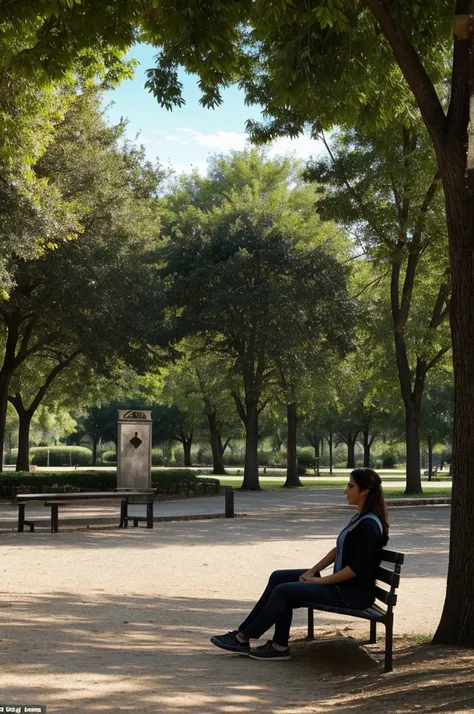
(457, 621)
(187, 443)
(330, 452)
(223, 446)
(451, 134)
(430, 457)
(412, 431)
(23, 458)
(367, 444)
(25, 415)
(412, 396)
(351, 442)
(94, 449)
(250, 482)
(292, 478)
(216, 446)
(5, 379)
(316, 449)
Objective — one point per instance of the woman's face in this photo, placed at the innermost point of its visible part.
(355, 496)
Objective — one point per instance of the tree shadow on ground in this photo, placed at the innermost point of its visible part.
(140, 654)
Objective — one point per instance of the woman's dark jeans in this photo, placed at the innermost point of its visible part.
(283, 593)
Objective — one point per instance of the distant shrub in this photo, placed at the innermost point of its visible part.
(388, 459)
(60, 456)
(109, 457)
(177, 457)
(202, 457)
(157, 456)
(306, 458)
(10, 457)
(232, 458)
(181, 482)
(264, 458)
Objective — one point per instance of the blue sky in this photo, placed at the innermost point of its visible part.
(185, 137)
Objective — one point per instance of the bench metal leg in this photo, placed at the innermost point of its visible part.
(310, 623)
(21, 517)
(373, 632)
(135, 523)
(149, 514)
(22, 522)
(54, 518)
(123, 514)
(388, 643)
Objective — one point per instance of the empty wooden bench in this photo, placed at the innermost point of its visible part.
(55, 500)
(378, 613)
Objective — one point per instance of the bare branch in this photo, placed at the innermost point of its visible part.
(372, 282)
(437, 358)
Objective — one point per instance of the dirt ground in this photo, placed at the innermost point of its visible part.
(108, 621)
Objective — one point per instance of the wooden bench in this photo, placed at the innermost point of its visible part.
(377, 613)
(55, 500)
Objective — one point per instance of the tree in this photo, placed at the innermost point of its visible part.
(234, 276)
(76, 294)
(100, 424)
(384, 187)
(53, 364)
(206, 377)
(47, 48)
(437, 415)
(317, 68)
(307, 353)
(44, 41)
(181, 393)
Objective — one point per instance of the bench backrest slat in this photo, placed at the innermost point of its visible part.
(389, 598)
(391, 556)
(78, 495)
(388, 576)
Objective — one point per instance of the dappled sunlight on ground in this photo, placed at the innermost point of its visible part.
(113, 621)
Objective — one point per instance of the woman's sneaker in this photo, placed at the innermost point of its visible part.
(268, 651)
(230, 642)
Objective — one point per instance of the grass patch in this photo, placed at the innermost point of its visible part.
(420, 639)
(278, 483)
(428, 493)
(389, 492)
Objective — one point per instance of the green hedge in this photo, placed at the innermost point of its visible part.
(110, 457)
(177, 482)
(61, 456)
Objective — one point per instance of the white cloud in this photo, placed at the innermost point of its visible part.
(303, 147)
(173, 137)
(187, 149)
(220, 141)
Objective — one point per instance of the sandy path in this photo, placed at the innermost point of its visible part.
(119, 621)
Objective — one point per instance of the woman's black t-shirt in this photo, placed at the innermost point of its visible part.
(361, 552)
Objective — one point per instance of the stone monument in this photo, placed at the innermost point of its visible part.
(134, 449)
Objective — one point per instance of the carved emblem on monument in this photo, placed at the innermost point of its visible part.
(136, 441)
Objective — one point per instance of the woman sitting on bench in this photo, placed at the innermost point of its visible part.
(356, 558)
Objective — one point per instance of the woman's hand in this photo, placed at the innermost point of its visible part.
(308, 576)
